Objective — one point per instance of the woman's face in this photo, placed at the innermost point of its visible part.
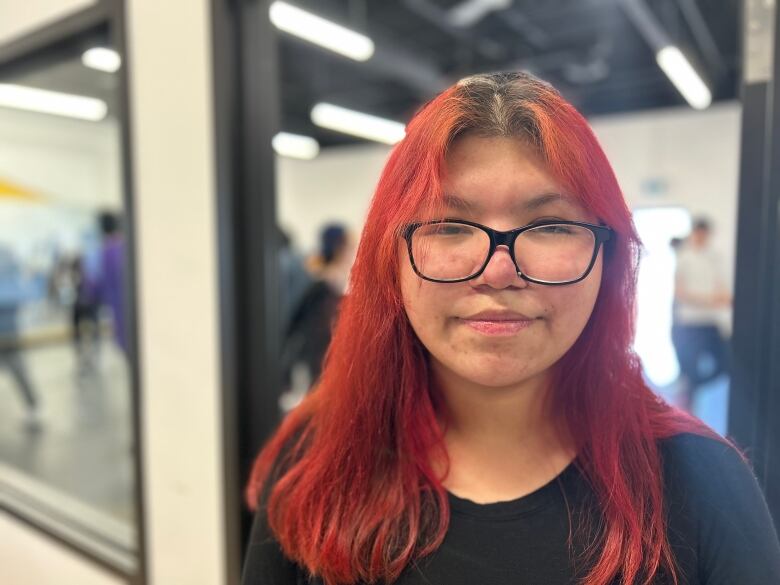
(497, 329)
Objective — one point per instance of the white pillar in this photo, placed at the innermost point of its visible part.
(169, 47)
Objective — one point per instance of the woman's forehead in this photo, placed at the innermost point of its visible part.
(505, 167)
(486, 174)
(523, 204)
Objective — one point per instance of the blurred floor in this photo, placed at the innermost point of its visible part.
(83, 445)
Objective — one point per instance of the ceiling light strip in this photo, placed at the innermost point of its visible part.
(52, 102)
(102, 59)
(684, 77)
(357, 123)
(295, 146)
(320, 31)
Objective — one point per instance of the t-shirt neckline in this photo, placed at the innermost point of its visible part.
(539, 498)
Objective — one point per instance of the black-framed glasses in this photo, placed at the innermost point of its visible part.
(552, 252)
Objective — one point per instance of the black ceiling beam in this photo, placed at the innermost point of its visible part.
(702, 35)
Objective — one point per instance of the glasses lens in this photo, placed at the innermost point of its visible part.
(449, 251)
(555, 253)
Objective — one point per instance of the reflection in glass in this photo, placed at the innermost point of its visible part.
(66, 443)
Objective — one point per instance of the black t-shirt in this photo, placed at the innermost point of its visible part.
(719, 528)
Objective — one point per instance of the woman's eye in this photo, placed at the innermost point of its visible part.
(452, 230)
(445, 230)
(555, 229)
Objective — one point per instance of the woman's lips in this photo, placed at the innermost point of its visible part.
(498, 323)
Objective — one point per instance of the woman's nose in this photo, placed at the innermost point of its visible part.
(500, 271)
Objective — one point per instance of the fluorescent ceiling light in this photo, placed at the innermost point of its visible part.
(52, 102)
(357, 123)
(321, 32)
(684, 77)
(102, 59)
(295, 146)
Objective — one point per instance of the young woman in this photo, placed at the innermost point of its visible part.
(481, 417)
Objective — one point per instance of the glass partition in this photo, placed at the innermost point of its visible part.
(67, 445)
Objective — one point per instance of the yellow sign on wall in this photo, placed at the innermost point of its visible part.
(13, 191)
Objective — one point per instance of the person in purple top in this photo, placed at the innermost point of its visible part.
(112, 275)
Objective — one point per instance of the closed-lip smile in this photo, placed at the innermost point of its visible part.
(498, 315)
(498, 322)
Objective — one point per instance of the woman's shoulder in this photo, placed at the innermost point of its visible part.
(699, 454)
(716, 506)
(708, 468)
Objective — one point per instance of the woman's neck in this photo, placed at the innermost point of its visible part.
(502, 443)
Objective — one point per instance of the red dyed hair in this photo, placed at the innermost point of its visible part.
(351, 493)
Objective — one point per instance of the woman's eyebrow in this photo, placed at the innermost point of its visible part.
(546, 199)
(530, 205)
(455, 202)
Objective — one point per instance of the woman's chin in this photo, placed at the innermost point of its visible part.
(494, 375)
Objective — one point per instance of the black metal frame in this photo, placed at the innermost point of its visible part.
(601, 234)
(754, 405)
(246, 119)
(33, 50)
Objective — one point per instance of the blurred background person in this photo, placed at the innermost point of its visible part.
(335, 258)
(677, 342)
(294, 282)
(111, 278)
(700, 296)
(12, 295)
(309, 331)
(85, 316)
(294, 278)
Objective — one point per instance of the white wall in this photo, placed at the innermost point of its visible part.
(335, 186)
(171, 90)
(20, 18)
(29, 558)
(695, 154)
(26, 555)
(69, 162)
(74, 167)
